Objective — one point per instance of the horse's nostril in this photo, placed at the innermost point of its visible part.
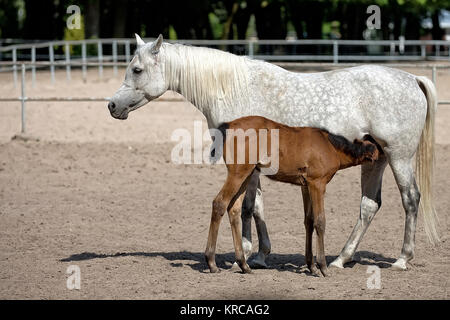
(111, 106)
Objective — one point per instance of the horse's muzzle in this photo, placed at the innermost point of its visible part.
(111, 106)
(117, 114)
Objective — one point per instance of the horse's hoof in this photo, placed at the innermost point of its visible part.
(258, 264)
(337, 263)
(399, 265)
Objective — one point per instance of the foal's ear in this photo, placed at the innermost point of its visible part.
(139, 40)
(156, 45)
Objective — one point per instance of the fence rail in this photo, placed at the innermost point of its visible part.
(329, 50)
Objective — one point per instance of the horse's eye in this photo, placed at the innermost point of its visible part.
(137, 70)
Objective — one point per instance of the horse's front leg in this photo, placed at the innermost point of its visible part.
(248, 206)
(253, 206)
(261, 229)
(371, 181)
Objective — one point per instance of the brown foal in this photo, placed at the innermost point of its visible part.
(308, 157)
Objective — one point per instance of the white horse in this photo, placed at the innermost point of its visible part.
(394, 107)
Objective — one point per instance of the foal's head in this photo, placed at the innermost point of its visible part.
(369, 151)
(144, 80)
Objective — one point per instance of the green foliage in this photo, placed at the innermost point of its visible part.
(216, 25)
(211, 18)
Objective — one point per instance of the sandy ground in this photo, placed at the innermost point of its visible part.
(103, 195)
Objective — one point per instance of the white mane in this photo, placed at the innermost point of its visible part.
(204, 76)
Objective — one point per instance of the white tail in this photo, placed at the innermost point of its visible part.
(425, 161)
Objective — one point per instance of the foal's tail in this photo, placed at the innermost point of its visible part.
(425, 161)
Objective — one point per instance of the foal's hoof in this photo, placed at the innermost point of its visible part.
(246, 269)
(214, 269)
(314, 271)
(399, 265)
(324, 271)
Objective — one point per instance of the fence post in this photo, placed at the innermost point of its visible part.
(114, 52)
(100, 59)
(392, 47)
(433, 74)
(83, 60)
(33, 66)
(335, 52)
(423, 51)
(127, 51)
(14, 58)
(52, 60)
(22, 98)
(67, 47)
(250, 49)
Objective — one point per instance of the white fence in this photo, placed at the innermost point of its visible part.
(272, 50)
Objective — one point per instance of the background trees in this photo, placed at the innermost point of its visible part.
(219, 19)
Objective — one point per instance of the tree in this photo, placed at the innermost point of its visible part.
(92, 18)
(9, 23)
(44, 20)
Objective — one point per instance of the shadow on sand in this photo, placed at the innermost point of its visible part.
(196, 260)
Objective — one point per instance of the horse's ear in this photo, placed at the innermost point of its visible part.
(139, 41)
(157, 45)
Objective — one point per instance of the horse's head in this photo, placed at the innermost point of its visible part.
(144, 80)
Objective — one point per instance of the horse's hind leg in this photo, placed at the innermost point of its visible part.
(371, 181)
(404, 176)
(317, 192)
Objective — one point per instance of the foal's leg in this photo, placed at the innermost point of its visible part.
(234, 214)
(309, 227)
(253, 205)
(371, 180)
(406, 182)
(317, 193)
(225, 199)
